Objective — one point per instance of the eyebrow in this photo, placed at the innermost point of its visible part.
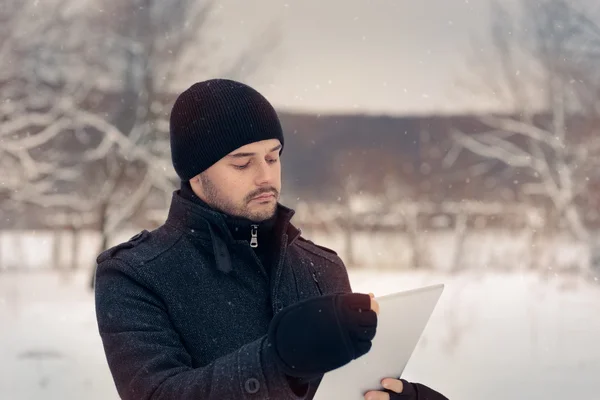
(240, 155)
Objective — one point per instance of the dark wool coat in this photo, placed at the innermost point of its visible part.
(183, 311)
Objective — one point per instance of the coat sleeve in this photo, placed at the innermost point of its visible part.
(148, 360)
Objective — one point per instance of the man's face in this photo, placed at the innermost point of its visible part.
(245, 183)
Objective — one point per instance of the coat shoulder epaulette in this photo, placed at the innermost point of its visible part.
(141, 248)
(318, 250)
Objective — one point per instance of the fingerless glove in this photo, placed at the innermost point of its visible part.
(323, 333)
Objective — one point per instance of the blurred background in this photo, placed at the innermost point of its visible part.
(432, 141)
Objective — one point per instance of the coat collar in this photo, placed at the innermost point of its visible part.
(204, 222)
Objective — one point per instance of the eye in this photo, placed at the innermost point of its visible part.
(240, 167)
(273, 160)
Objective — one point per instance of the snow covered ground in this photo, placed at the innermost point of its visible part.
(493, 336)
(505, 336)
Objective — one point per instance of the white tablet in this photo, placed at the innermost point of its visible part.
(402, 319)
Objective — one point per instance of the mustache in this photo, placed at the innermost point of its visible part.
(261, 191)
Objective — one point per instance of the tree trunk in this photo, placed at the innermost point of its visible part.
(103, 246)
(349, 239)
(75, 245)
(411, 219)
(460, 234)
(104, 241)
(56, 249)
(534, 248)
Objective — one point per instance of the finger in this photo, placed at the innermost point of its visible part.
(363, 347)
(363, 334)
(356, 301)
(376, 395)
(366, 319)
(392, 384)
(371, 295)
(375, 306)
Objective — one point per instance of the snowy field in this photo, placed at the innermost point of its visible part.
(493, 336)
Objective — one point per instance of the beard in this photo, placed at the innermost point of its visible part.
(256, 212)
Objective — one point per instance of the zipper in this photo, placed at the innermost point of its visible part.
(254, 236)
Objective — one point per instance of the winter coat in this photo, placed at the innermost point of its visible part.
(183, 311)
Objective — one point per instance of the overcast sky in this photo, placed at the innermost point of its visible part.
(387, 56)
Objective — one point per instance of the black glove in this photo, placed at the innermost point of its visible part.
(415, 391)
(323, 333)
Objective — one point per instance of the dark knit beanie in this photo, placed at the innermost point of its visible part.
(213, 118)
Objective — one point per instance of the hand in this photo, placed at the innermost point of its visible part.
(374, 303)
(400, 389)
(317, 335)
(395, 388)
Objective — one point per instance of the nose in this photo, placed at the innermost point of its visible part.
(265, 174)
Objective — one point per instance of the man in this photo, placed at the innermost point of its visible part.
(227, 300)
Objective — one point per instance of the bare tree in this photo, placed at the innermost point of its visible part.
(348, 187)
(400, 204)
(84, 130)
(545, 74)
(160, 37)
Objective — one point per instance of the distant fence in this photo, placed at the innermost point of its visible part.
(441, 250)
(46, 249)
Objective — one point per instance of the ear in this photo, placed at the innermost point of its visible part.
(197, 187)
(195, 181)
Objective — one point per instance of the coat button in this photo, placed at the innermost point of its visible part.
(252, 385)
(278, 305)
